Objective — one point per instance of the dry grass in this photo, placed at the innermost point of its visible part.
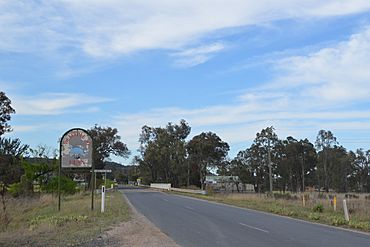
(291, 205)
(36, 221)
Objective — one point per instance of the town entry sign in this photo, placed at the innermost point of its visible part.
(76, 149)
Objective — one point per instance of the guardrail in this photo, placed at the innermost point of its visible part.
(160, 186)
(164, 186)
(201, 192)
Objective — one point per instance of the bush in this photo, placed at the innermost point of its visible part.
(67, 185)
(314, 216)
(318, 208)
(338, 221)
(15, 189)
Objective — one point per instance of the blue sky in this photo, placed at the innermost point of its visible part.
(231, 67)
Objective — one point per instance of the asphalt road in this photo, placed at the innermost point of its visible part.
(192, 222)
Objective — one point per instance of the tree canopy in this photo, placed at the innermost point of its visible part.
(5, 110)
(106, 142)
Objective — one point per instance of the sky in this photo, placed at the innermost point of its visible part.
(231, 67)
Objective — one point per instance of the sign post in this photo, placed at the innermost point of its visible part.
(76, 148)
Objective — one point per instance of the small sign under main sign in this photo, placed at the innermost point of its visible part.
(76, 149)
(98, 170)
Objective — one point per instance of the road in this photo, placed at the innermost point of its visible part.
(192, 222)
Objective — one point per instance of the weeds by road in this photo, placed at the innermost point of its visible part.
(36, 221)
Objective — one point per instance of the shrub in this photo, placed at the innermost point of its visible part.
(67, 185)
(338, 221)
(314, 216)
(318, 208)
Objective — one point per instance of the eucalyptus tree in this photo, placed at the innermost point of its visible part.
(267, 141)
(163, 153)
(325, 142)
(106, 141)
(361, 169)
(5, 110)
(206, 151)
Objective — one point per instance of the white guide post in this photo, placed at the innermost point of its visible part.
(346, 216)
(102, 198)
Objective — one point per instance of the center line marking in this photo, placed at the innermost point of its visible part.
(255, 228)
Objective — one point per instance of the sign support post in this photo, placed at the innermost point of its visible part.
(59, 174)
(92, 187)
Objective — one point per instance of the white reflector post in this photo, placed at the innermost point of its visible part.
(102, 198)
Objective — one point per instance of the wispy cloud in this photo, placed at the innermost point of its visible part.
(56, 103)
(195, 56)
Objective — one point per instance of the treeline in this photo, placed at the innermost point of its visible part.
(166, 155)
(294, 165)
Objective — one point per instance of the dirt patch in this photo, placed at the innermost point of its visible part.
(138, 231)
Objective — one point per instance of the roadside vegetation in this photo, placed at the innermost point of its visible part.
(318, 206)
(29, 213)
(36, 221)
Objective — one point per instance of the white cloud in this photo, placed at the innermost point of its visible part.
(195, 56)
(334, 74)
(110, 28)
(55, 103)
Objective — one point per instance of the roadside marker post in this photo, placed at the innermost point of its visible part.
(335, 203)
(346, 216)
(102, 198)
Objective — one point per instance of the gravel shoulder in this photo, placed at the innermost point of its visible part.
(138, 231)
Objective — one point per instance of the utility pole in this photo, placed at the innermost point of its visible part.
(269, 164)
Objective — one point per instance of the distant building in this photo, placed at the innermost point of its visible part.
(227, 183)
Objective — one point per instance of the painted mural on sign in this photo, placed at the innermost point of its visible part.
(76, 149)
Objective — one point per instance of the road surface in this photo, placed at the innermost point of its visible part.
(192, 222)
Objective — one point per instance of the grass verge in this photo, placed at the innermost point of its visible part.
(37, 222)
(316, 213)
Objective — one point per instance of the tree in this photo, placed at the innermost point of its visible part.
(238, 168)
(207, 150)
(361, 170)
(325, 141)
(253, 160)
(163, 153)
(11, 152)
(298, 160)
(106, 142)
(266, 140)
(5, 111)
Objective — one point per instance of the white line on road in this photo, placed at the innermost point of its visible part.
(165, 200)
(255, 228)
(189, 207)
